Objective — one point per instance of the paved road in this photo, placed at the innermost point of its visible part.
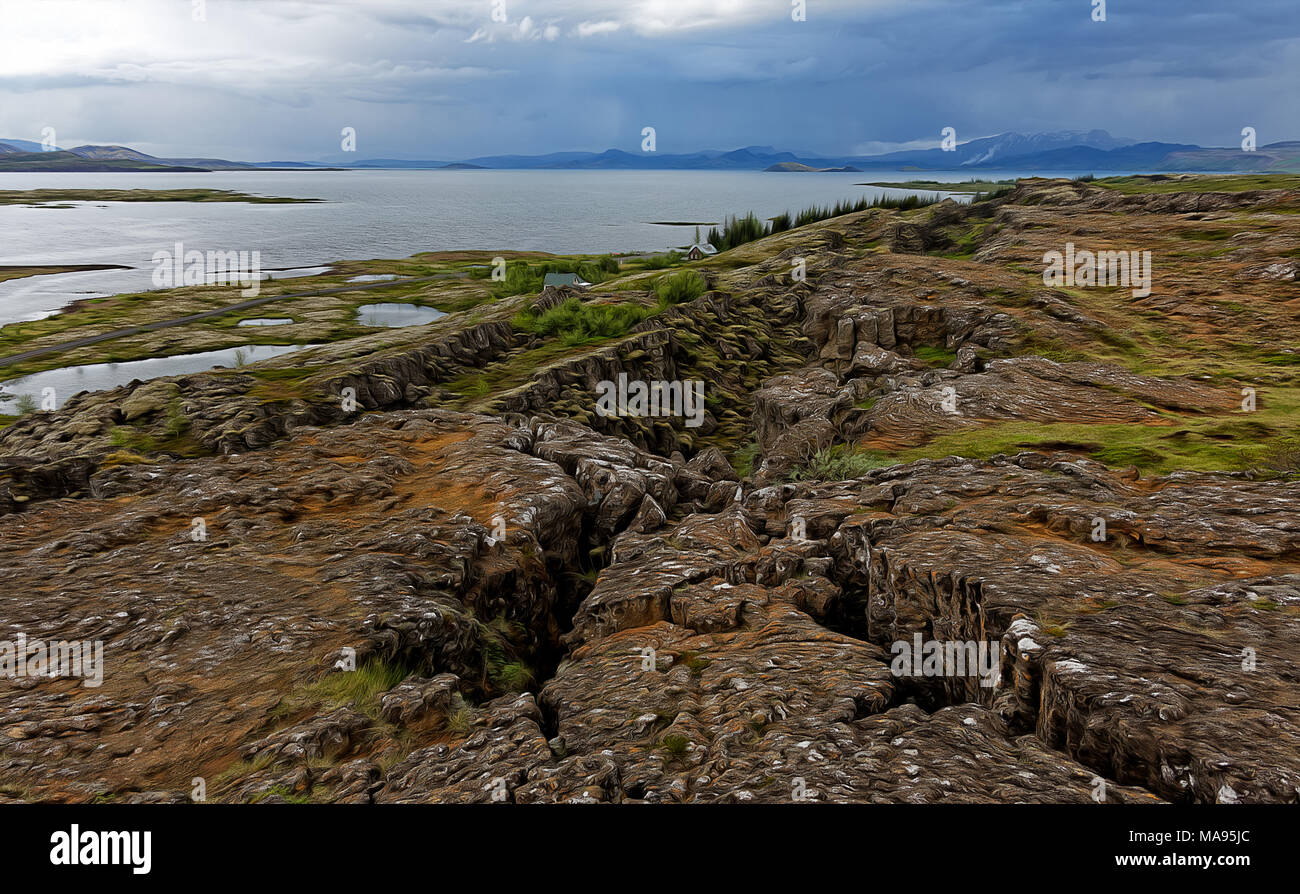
(194, 318)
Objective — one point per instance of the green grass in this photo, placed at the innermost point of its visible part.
(657, 262)
(968, 243)
(577, 323)
(1230, 442)
(1162, 183)
(510, 373)
(935, 356)
(525, 278)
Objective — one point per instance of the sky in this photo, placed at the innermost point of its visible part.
(264, 80)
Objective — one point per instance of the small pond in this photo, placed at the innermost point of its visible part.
(267, 321)
(395, 314)
(67, 381)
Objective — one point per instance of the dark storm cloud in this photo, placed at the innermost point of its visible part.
(426, 78)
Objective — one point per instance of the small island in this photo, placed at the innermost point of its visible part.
(61, 196)
(794, 167)
(971, 186)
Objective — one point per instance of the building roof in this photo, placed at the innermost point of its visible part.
(704, 247)
(563, 279)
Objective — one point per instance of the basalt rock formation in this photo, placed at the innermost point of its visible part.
(495, 594)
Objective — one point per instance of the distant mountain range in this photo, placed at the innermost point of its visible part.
(1094, 150)
(24, 155)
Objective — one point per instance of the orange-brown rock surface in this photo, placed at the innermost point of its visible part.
(508, 597)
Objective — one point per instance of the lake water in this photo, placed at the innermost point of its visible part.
(383, 214)
(101, 376)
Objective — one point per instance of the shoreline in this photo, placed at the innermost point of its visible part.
(23, 271)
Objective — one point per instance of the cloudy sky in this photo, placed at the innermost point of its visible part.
(279, 79)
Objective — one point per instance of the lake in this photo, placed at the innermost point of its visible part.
(383, 214)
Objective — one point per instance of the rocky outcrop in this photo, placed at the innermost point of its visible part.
(453, 596)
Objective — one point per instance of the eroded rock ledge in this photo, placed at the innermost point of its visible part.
(713, 658)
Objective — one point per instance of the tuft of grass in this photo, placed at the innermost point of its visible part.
(359, 688)
(1052, 628)
(241, 769)
(284, 792)
(177, 423)
(678, 287)
(514, 676)
(675, 745)
(838, 463)
(743, 459)
(934, 356)
(698, 665)
(461, 720)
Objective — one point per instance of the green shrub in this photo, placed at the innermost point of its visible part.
(678, 287)
(576, 323)
(838, 463)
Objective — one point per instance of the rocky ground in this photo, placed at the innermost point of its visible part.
(916, 439)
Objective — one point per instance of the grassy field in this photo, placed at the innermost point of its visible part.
(1165, 183)
(453, 282)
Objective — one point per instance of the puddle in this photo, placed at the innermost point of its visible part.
(373, 277)
(267, 321)
(294, 272)
(69, 380)
(395, 314)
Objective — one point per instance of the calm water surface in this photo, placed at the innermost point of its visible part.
(101, 376)
(379, 214)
